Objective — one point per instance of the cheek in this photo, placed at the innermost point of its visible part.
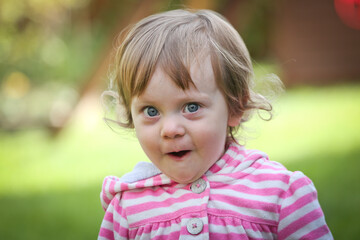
(211, 133)
(147, 138)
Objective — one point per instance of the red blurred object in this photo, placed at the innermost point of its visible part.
(349, 12)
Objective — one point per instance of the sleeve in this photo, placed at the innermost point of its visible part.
(114, 225)
(301, 216)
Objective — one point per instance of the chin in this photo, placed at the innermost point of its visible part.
(185, 179)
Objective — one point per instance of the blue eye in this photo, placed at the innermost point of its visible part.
(151, 112)
(192, 107)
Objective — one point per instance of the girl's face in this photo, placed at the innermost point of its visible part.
(182, 132)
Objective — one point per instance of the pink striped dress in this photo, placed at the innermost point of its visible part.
(242, 196)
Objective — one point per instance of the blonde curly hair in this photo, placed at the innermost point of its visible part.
(172, 40)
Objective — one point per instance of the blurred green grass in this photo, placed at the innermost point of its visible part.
(49, 188)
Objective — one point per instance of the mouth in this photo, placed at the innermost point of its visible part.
(179, 154)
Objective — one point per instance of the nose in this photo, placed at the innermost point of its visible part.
(172, 127)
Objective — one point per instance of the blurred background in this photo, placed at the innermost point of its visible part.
(55, 148)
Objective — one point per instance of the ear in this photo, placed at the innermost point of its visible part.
(234, 121)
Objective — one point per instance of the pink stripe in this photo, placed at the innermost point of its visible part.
(236, 214)
(168, 202)
(252, 152)
(169, 216)
(106, 200)
(172, 235)
(269, 167)
(317, 233)
(106, 233)
(246, 203)
(245, 189)
(260, 177)
(236, 222)
(215, 168)
(153, 191)
(297, 205)
(255, 156)
(154, 227)
(108, 216)
(235, 148)
(299, 183)
(232, 163)
(228, 159)
(117, 226)
(117, 208)
(111, 189)
(158, 180)
(140, 184)
(104, 189)
(259, 227)
(300, 223)
(228, 236)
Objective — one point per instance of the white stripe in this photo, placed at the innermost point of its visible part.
(226, 229)
(174, 227)
(249, 183)
(160, 231)
(308, 228)
(163, 210)
(108, 225)
(327, 236)
(258, 171)
(256, 152)
(232, 193)
(300, 192)
(118, 237)
(251, 212)
(161, 198)
(260, 235)
(274, 165)
(149, 182)
(300, 212)
(234, 155)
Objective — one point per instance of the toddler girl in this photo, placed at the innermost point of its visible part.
(184, 80)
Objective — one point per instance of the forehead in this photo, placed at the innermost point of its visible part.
(201, 76)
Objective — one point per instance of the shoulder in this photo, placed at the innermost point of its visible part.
(254, 169)
(301, 216)
(144, 175)
(250, 161)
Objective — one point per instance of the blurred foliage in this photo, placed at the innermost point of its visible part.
(256, 33)
(40, 39)
(43, 56)
(48, 50)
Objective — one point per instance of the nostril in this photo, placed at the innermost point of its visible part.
(172, 131)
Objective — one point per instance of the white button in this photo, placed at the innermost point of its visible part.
(198, 186)
(194, 226)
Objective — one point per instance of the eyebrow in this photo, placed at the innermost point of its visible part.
(198, 96)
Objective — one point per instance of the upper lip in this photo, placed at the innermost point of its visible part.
(178, 153)
(173, 148)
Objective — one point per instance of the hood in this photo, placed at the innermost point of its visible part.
(145, 174)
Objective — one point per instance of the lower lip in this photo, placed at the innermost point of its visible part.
(178, 158)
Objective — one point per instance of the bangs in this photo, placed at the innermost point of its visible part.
(185, 44)
(183, 49)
